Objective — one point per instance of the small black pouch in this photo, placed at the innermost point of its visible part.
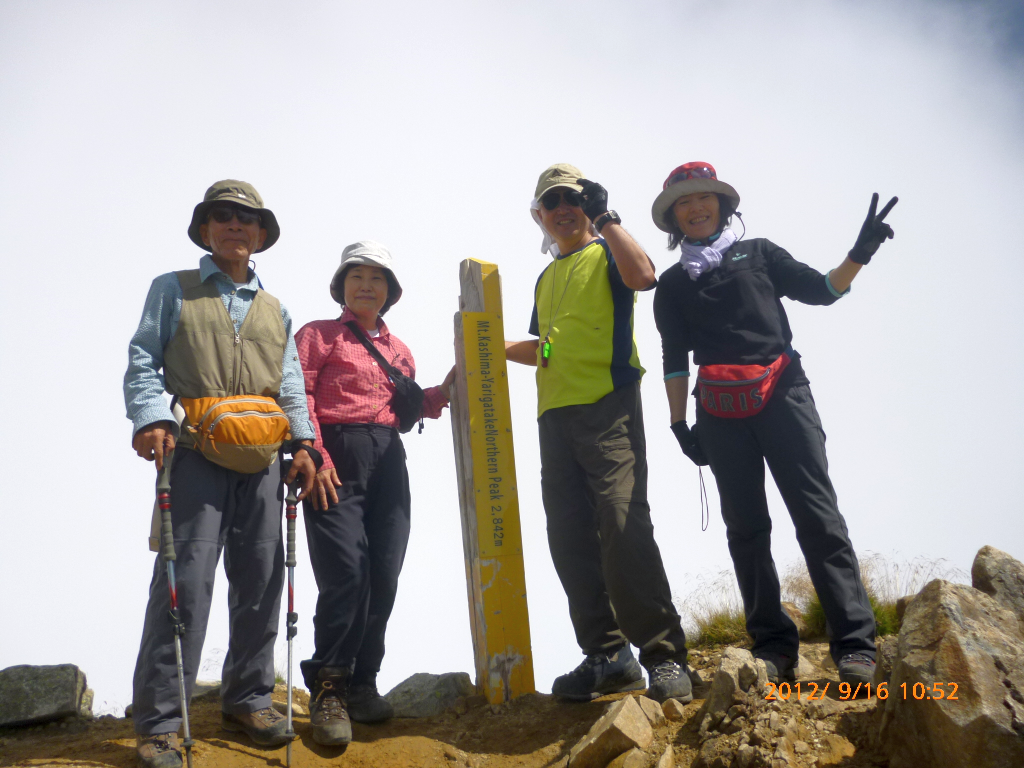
(408, 397)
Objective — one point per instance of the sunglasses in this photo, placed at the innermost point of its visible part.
(552, 199)
(224, 215)
(690, 171)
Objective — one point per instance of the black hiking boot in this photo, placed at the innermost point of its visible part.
(161, 750)
(781, 668)
(670, 679)
(366, 705)
(600, 674)
(856, 668)
(328, 711)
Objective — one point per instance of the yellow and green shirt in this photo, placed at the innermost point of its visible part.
(582, 307)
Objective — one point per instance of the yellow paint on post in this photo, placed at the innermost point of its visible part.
(492, 538)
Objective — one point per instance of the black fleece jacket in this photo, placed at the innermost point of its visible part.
(733, 314)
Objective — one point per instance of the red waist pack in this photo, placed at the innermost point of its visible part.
(738, 391)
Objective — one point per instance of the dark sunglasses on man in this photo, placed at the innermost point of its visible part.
(553, 199)
(224, 214)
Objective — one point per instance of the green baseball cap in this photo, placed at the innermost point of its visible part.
(239, 193)
(558, 175)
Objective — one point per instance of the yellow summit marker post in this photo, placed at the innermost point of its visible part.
(485, 460)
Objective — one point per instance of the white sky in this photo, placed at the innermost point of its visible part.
(425, 126)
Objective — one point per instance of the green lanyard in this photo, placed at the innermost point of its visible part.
(545, 346)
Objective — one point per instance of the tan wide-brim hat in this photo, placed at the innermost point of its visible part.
(238, 193)
(685, 180)
(370, 253)
(558, 175)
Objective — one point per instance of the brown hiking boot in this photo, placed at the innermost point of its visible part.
(328, 713)
(160, 750)
(266, 727)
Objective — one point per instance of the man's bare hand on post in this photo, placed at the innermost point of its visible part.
(154, 442)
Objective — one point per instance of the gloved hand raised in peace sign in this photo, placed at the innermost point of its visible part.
(874, 232)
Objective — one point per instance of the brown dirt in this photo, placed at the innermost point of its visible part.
(534, 731)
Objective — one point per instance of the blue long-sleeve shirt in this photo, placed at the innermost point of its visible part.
(144, 380)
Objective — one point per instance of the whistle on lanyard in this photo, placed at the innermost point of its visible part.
(545, 353)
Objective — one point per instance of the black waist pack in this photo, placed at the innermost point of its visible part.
(408, 397)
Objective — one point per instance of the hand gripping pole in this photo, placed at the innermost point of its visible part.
(163, 498)
(291, 506)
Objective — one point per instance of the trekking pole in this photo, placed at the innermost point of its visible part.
(163, 498)
(291, 505)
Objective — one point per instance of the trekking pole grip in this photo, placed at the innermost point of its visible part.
(291, 513)
(163, 500)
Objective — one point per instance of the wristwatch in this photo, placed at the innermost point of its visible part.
(605, 218)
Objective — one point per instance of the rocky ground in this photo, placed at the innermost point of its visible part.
(535, 731)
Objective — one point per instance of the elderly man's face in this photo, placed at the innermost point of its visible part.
(232, 239)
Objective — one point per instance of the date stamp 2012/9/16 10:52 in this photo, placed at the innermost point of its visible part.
(815, 692)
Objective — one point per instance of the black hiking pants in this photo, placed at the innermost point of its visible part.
(787, 435)
(357, 548)
(594, 485)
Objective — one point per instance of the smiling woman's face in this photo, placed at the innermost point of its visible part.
(698, 214)
(366, 290)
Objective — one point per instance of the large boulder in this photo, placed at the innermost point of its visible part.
(426, 695)
(31, 694)
(997, 574)
(958, 641)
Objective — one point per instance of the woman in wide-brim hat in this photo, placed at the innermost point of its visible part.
(358, 514)
(723, 302)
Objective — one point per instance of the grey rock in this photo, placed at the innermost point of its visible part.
(794, 612)
(885, 655)
(206, 689)
(426, 695)
(621, 728)
(39, 694)
(667, 759)
(634, 758)
(804, 668)
(901, 606)
(737, 672)
(955, 634)
(997, 574)
(655, 714)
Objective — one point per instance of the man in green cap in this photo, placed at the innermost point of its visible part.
(592, 447)
(212, 337)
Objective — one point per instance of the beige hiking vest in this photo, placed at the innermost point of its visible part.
(206, 358)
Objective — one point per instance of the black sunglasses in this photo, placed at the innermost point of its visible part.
(552, 199)
(222, 215)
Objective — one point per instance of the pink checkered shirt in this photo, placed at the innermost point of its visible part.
(344, 385)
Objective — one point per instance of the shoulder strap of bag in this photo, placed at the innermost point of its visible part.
(389, 369)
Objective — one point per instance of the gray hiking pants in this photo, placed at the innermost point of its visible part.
(594, 485)
(214, 509)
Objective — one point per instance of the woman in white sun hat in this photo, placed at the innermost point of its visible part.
(723, 303)
(358, 384)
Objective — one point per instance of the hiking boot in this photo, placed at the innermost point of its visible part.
(600, 674)
(856, 668)
(328, 711)
(670, 679)
(160, 750)
(781, 668)
(266, 727)
(366, 705)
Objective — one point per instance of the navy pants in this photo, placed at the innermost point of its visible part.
(357, 548)
(213, 510)
(787, 435)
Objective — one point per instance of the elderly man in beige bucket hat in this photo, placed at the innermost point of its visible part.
(592, 447)
(212, 336)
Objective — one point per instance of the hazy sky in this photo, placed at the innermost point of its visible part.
(425, 126)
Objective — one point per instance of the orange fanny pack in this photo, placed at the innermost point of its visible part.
(738, 391)
(243, 433)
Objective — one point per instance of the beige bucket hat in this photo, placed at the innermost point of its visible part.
(558, 175)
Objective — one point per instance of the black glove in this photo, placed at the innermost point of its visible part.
(874, 232)
(595, 198)
(689, 443)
